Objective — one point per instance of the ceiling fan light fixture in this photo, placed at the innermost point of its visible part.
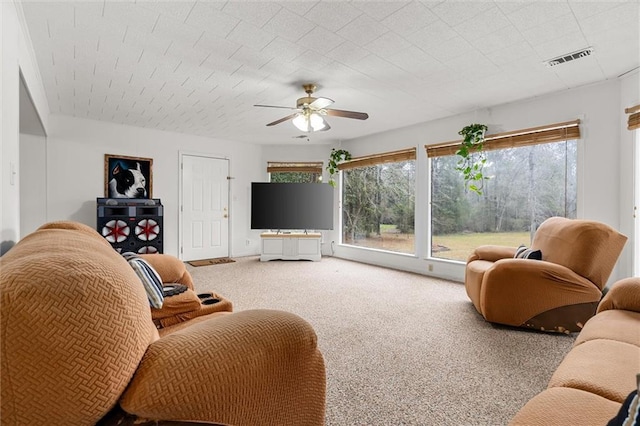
(309, 122)
(317, 122)
(300, 121)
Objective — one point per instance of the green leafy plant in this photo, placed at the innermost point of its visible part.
(472, 158)
(336, 156)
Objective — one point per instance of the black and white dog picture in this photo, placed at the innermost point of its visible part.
(127, 177)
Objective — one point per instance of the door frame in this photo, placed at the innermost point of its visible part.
(181, 155)
(635, 185)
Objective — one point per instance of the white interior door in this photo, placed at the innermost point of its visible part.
(205, 207)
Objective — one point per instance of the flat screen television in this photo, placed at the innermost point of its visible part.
(291, 206)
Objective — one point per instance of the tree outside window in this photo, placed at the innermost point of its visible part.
(378, 206)
(528, 185)
(295, 172)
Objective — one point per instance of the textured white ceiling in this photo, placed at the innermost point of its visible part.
(199, 67)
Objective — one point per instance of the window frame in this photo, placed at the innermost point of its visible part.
(314, 168)
(397, 156)
(552, 133)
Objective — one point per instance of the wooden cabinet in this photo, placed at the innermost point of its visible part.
(295, 246)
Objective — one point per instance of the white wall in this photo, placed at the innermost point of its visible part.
(17, 56)
(75, 172)
(599, 155)
(629, 96)
(33, 181)
(10, 212)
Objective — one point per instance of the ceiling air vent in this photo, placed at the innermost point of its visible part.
(569, 57)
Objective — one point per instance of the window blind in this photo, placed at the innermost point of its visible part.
(634, 117)
(313, 167)
(386, 157)
(568, 130)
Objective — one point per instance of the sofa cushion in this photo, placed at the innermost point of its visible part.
(267, 359)
(566, 406)
(604, 367)
(624, 294)
(616, 324)
(75, 325)
(599, 246)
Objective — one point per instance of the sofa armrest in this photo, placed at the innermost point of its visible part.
(491, 253)
(624, 294)
(252, 367)
(516, 290)
(187, 301)
(170, 268)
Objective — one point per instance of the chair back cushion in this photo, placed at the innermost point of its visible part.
(586, 247)
(75, 324)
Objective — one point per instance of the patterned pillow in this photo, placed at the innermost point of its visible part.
(524, 252)
(150, 278)
(629, 414)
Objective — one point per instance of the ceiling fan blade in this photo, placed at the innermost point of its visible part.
(288, 117)
(274, 106)
(347, 114)
(320, 103)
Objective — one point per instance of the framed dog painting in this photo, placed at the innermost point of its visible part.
(127, 177)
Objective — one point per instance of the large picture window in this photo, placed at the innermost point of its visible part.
(378, 201)
(295, 172)
(531, 179)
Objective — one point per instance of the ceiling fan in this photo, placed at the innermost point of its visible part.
(310, 111)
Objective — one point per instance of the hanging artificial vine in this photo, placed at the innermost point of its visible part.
(472, 158)
(336, 156)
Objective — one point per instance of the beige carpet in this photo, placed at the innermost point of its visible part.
(400, 348)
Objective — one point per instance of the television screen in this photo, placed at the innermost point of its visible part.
(287, 206)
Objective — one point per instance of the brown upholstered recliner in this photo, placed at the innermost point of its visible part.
(559, 293)
(79, 346)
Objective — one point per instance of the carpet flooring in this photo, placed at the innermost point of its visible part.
(400, 348)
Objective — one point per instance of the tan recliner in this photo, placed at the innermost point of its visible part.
(560, 292)
(79, 346)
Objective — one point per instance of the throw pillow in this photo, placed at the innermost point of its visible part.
(150, 278)
(629, 414)
(524, 252)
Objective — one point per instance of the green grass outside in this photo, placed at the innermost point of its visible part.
(461, 245)
(450, 246)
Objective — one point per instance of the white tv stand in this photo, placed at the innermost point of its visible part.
(290, 246)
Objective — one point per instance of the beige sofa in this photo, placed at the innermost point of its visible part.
(599, 372)
(79, 346)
